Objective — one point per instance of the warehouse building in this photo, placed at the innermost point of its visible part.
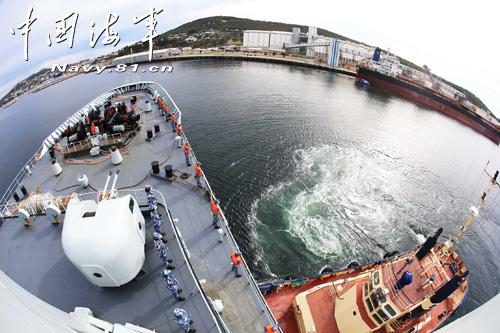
(351, 54)
(266, 40)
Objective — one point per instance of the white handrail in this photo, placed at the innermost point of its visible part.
(151, 87)
(255, 288)
(184, 251)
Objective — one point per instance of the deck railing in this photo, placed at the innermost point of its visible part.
(16, 183)
(7, 200)
(153, 88)
(253, 284)
(140, 197)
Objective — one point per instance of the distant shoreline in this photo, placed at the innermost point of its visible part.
(289, 60)
(36, 89)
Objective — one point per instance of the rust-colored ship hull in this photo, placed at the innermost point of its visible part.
(433, 100)
(281, 296)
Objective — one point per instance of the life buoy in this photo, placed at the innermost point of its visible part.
(37, 157)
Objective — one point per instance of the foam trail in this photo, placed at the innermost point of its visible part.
(335, 196)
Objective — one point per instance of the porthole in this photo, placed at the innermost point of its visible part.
(140, 225)
(97, 275)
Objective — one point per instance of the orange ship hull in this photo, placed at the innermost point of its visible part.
(281, 295)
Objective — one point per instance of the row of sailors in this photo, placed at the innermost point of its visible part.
(180, 138)
(182, 318)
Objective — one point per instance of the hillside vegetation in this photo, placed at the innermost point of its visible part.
(217, 31)
(226, 30)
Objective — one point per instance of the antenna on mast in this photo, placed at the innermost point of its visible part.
(474, 210)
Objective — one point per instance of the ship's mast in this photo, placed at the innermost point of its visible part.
(474, 210)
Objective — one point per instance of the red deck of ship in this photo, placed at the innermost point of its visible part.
(434, 265)
(322, 302)
(322, 309)
(280, 302)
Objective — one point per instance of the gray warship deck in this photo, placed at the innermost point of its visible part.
(34, 258)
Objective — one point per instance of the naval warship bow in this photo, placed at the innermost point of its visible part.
(77, 252)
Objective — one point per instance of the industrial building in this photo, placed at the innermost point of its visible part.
(337, 53)
(351, 54)
(266, 40)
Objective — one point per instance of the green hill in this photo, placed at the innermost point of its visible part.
(225, 30)
(217, 31)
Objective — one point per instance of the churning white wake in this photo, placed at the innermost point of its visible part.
(340, 203)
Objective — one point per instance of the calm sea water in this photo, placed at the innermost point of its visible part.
(310, 169)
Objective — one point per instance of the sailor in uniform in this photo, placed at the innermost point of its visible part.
(156, 220)
(162, 250)
(198, 174)
(153, 210)
(151, 198)
(184, 320)
(214, 206)
(172, 284)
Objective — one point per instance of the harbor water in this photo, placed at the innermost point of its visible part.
(311, 170)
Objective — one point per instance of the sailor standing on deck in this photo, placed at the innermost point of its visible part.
(178, 141)
(153, 210)
(187, 152)
(162, 250)
(173, 121)
(184, 320)
(180, 132)
(156, 219)
(151, 198)
(198, 174)
(214, 206)
(235, 263)
(172, 284)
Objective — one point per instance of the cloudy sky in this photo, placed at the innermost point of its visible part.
(458, 40)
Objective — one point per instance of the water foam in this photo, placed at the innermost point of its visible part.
(339, 205)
